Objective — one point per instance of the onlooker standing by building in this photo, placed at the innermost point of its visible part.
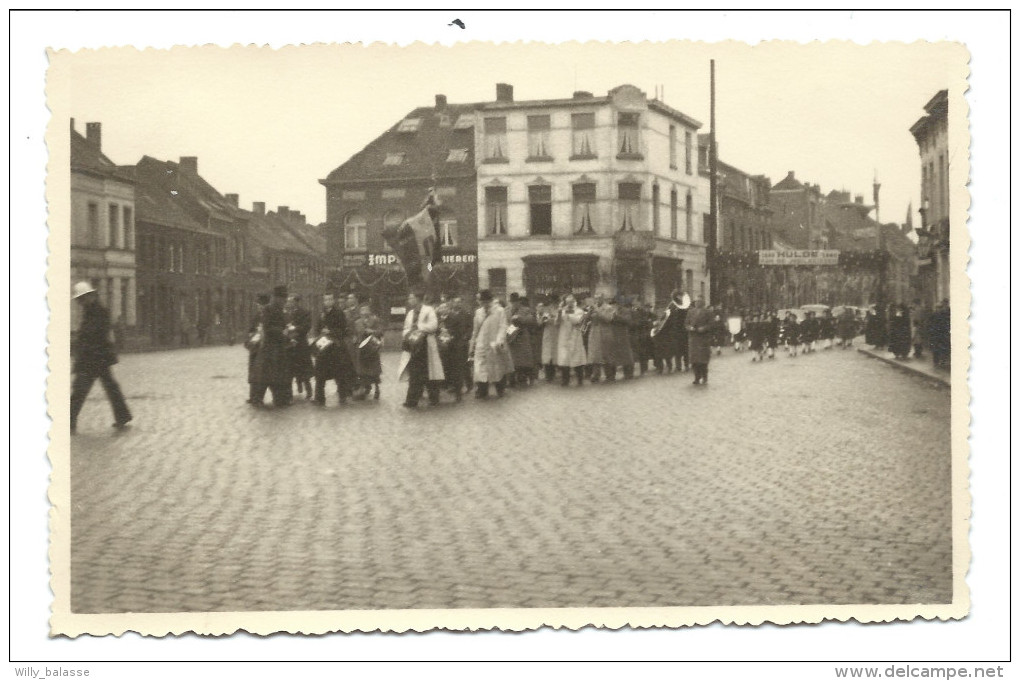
(93, 356)
(420, 361)
(939, 335)
(699, 347)
(272, 368)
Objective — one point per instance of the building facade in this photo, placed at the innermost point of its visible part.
(931, 132)
(431, 148)
(102, 227)
(589, 195)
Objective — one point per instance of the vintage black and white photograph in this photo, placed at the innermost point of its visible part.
(408, 337)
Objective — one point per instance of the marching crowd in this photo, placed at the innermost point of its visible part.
(447, 346)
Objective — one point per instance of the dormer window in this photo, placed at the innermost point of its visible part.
(457, 156)
(394, 159)
(409, 125)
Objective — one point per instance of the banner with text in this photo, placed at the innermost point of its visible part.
(817, 257)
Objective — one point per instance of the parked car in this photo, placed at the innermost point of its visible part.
(817, 308)
(799, 313)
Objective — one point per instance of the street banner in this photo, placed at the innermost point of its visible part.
(416, 244)
(816, 257)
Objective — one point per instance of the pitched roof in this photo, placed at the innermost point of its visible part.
(425, 149)
(189, 192)
(787, 183)
(155, 204)
(271, 230)
(86, 157)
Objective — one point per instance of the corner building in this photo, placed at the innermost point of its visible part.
(589, 195)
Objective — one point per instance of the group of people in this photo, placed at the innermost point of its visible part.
(345, 346)
(915, 327)
(762, 333)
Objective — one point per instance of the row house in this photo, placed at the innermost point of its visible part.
(430, 149)
(931, 133)
(102, 226)
(745, 211)
(203, 260)
(589, 194)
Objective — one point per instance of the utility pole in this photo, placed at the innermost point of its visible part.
(710, 252)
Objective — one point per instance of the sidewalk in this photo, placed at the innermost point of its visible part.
(919, 367)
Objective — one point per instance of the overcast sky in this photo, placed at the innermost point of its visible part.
(268, 124)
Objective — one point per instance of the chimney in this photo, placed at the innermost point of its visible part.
(859, 199)
(258, 207)
(72, 125)
(232, 199)
(504, 92)
(789, 175)
(583, 94)
(282, 211)
(189, 165)
(440, 102)
(94, 134)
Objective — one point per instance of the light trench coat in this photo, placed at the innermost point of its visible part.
(569, 342)
(488, 343)
(428, 323)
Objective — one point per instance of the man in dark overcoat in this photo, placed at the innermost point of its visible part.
(298, 350)
(699, 332)
(330, 333)
(93, 356)
(271, 365)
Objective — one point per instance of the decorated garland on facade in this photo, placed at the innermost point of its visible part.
(847, 259)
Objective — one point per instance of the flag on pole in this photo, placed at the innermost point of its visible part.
(416, 243)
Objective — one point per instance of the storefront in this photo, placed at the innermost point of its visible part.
(556, 275)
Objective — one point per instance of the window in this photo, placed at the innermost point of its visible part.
(655, 209)
(125, 289)
(129, 229)
(495, 139)
(672, 147)
(457, 156)
(538, 137)
(689, 216)
(674, 208)
(627, 126)
(630, 196)
(114, 241)
(464, 122)
(584, 208)
(495, 210)
(583, 135)
(394, 159)
(688, 151)
(409, 125)
(93, 235)
(180, 257)
(392, 219)
(448, 231)
(355, 232)
(540, 202)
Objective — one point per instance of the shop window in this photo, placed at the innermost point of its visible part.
(538, 138)
(495, 210)
(495, 139)
(629, 199)
(582, 135)
(584, 208)
(628, 134)
(540, 204)
(355, 232)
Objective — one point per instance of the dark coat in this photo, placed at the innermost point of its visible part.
(899, 334)
(640, 334)
(335, 360)
(621, 336)
(271, 365)
(700, 329)
(93, 347)
(521, 352)
(847, 325)
(299, 350)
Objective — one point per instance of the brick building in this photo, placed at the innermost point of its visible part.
(102, 227)
(386, 183)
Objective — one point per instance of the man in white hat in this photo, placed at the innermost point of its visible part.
(93, 356)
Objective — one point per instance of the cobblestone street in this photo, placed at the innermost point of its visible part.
(820, 479)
